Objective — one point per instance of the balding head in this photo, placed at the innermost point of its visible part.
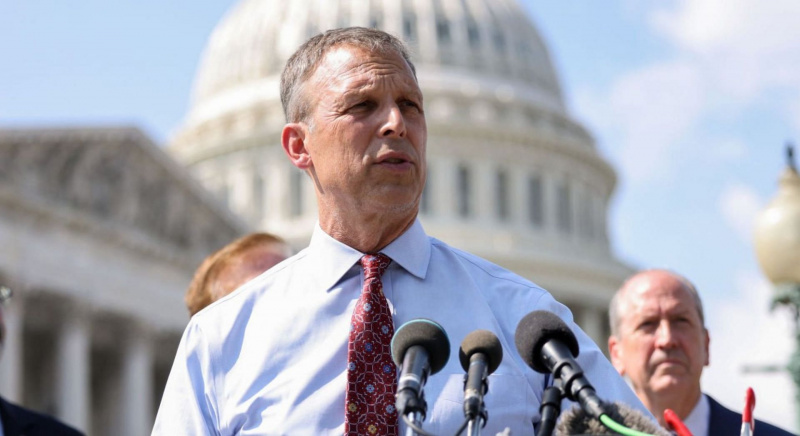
(659, 340)
(649, 279)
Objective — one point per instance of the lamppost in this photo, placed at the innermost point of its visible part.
(777, 243)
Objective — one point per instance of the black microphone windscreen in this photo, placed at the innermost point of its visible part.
(577, 422)
(427, 334)
(534, 330)
(481, 341)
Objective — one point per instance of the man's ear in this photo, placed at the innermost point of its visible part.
(293, 140)
(615, 352)
(707, 342)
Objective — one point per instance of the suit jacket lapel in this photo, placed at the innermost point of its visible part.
(721, 420)
(15, 422)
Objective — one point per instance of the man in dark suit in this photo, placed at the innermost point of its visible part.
(724, 421)
(18, 421)
(660, 343)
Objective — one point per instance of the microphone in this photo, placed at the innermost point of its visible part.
(480, 355)
(420, 347)
(577, 422)
(675, 424)
(547, 345)
(748, 422)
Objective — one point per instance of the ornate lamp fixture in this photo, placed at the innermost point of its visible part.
(777, 244)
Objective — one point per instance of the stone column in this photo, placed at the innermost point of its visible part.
(137, 385)
(72, 372)
(12, 366)
(393, 18)
(426, 30)
(240, 182)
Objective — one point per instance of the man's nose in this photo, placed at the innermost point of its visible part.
(665, 336)
(393, 123)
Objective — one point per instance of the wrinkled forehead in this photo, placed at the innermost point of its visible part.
(343, 60)
(659, 293)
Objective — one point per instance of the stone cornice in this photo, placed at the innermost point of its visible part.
(114, 179)
(35, 211)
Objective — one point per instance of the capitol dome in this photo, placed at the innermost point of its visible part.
(491, 38)
(511, 176)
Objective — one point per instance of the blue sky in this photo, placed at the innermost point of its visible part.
(691, 101)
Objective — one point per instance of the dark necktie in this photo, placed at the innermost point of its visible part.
(371, 373)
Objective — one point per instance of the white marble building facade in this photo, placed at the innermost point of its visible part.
(100, 233)
(100, 230)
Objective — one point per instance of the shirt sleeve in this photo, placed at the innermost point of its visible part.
(189, 405)
(605, 379)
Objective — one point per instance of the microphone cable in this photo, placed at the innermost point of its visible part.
(619, 428)
(417, 429)
(463, 427)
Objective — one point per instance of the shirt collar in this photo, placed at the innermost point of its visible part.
(332, 259)
(412, 250)
(697, 420)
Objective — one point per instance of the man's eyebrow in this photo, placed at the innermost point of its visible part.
(359, 91)
(356, 92)
(414, 94)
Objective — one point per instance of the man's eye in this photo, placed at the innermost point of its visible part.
(647, 325)
(683, 321)
(366, 104)
(409, 104)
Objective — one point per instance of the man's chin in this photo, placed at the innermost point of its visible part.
(662, 383)
(395, 199)
(391, 210)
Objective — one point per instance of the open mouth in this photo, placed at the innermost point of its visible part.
(395, 160)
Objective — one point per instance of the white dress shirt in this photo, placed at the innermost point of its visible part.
(271, 357)
(697, 421)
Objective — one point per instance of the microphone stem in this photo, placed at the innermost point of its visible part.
(416, 419)
(474, 426)
(550, 409)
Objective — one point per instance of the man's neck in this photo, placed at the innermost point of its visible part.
(367, 233)
(682, 402)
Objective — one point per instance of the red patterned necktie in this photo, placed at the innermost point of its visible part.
(371, 373)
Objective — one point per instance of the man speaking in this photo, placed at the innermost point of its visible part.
(304, 348)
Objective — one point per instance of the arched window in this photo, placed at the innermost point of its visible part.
(501, 195)
(535, 201)
(442, 24)
(564, 207)
(410, 26)
(586, 215)
(376, 15)
(473, 36)
(499, 41)
(463, 183)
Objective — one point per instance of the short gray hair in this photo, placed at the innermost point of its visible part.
(615, 309)
(302, 64)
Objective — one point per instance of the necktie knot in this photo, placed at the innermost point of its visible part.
(374, 265)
